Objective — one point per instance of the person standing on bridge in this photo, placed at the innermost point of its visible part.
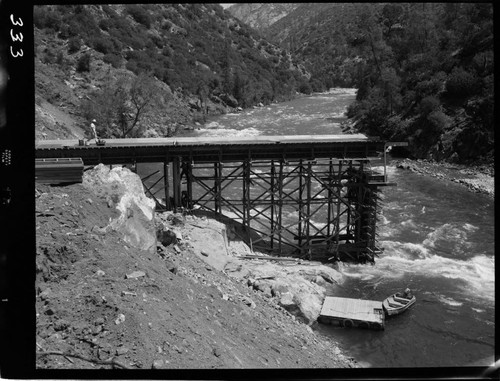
(92, 126)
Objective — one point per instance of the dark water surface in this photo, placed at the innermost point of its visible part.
(438, 239)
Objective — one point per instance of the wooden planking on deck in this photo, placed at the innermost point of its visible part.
(354, 309)
(212, 140)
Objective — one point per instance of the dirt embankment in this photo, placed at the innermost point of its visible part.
(102, 303)
(479, 179)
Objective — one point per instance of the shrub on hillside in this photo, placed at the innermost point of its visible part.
(397, 127)
(102, 45)
(431, 86)
(60, 58)
(83, 63)
(167, 24)
(481, 109)
(132, 66)
(109, 11)
(113, 59)
(49, 57)
(139, 14)
(305, 88)
(134, 41)
(438, 120)
(82, 23)
(161, 73)
(74, 45)
(105, 24)
(461, 84)
(157, 41)
(428, 105)
(45, 17)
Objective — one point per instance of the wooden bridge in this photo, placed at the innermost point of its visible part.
(312, 195)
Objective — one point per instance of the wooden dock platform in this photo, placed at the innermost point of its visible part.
(347, 312)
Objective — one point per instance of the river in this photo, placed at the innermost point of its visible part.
(438, 239)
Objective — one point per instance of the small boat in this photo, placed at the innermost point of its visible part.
(394, 304)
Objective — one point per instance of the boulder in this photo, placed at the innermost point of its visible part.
(278, 288)
(212, 125)
(309, 306)
(264, 286)
(167, 237)
(214, 98)
(304, 304)
(125, 191)
(194, 104)
(229, 100)
(135, 275)
(171, 266)
(288, 302)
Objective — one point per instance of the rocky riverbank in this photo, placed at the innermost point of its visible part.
(195, 299)
(479, 179)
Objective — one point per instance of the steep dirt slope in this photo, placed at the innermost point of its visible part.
(102, 303)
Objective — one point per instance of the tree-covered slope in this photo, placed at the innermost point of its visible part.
(426, 76)
(190, 59)
(424, 70)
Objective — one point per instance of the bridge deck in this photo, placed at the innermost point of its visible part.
(215, 149)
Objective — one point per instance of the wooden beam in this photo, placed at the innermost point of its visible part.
(166, 184)
(176, 181)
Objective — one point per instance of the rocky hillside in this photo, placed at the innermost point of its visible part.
(150, 70)
(106, 299)
(261, 16)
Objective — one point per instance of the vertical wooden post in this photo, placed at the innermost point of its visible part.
(176, 181)
(189, 178)
(219, 177)
(361, 189)
(166, 183)
(349, 211)
(308, 205)
(216, 189)
(280, 205)
(339, 195)
(244, 195)
(218, 186)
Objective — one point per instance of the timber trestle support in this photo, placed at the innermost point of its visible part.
(315, 209)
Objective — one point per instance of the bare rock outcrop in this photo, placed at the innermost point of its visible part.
(123, 189)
